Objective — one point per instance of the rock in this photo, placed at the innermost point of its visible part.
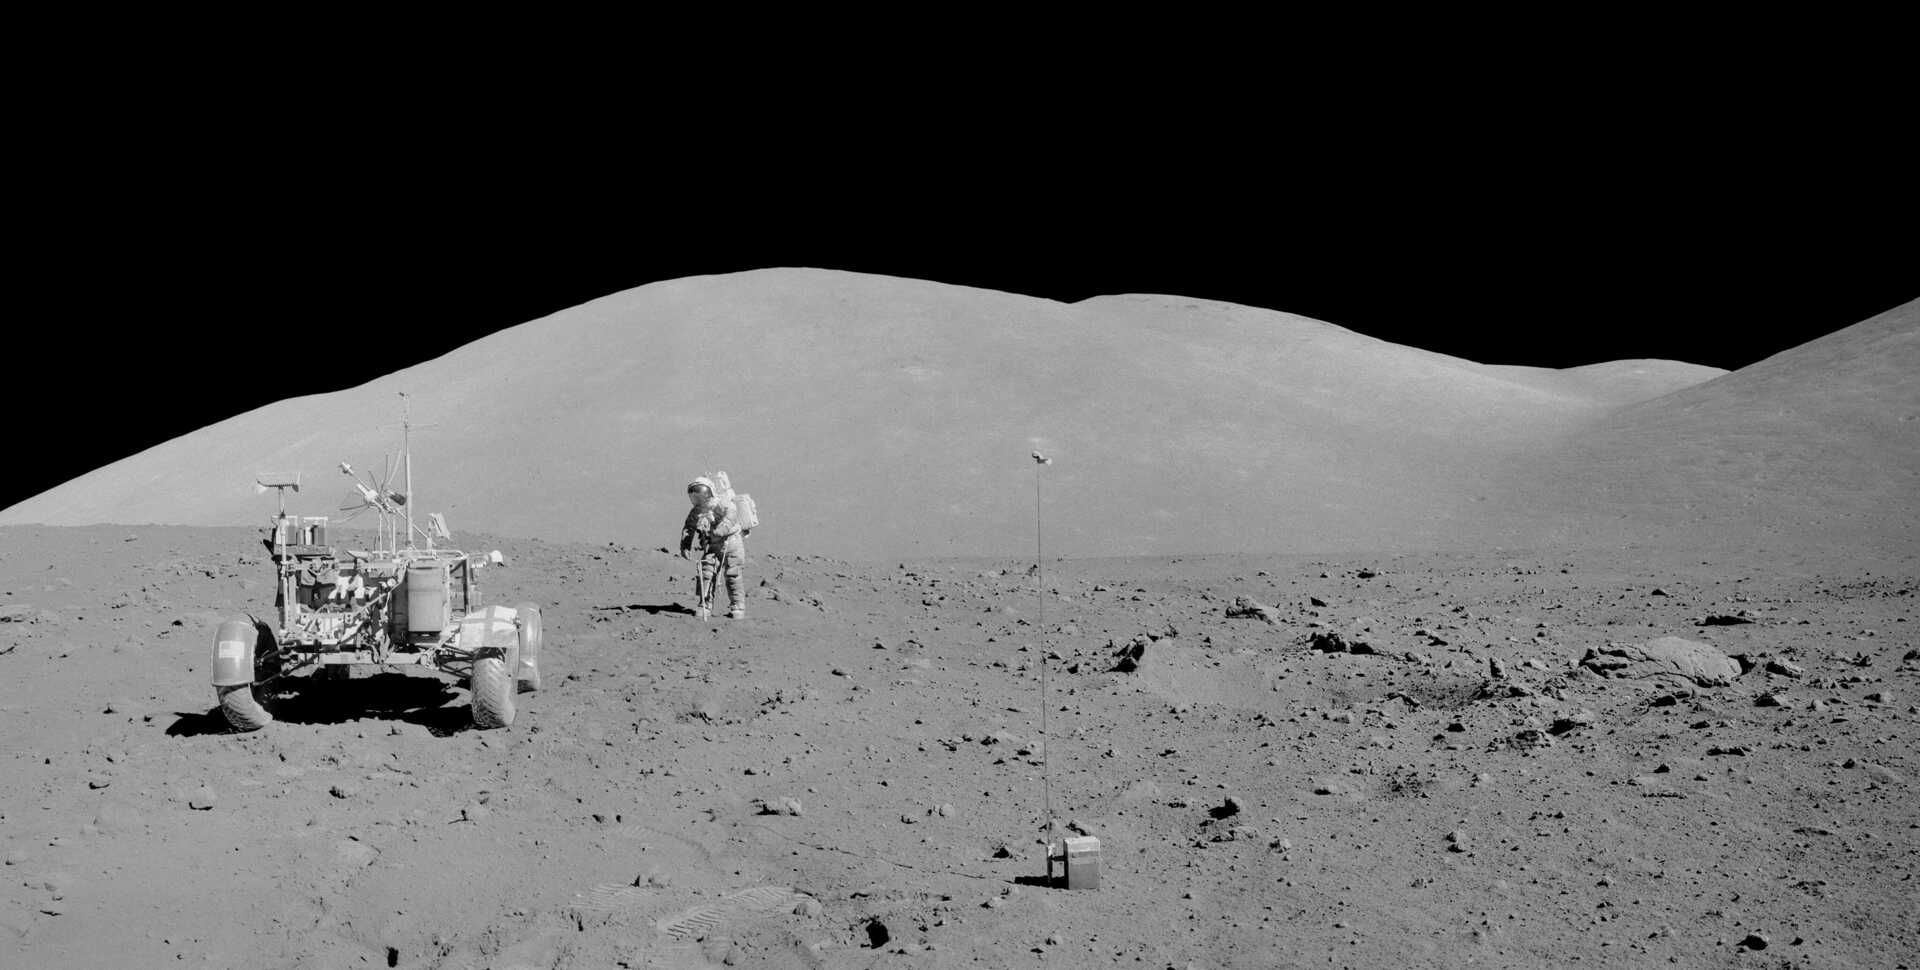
(784, 805)
(1456, 841)
(1883, 774)
(1526, 739)
(1247, 607)
(1726, 619)
(116, 817)
(1786, 668)
(202, 799)
(1331, 642)
(1316, 601)
(1754, 941)
(1582, 718)
(1129, 657)
(1604, 662)
(1772, 698)
(1332, 785)
(1670, 657)
(1227, 809)
(354, 852)
(344, 790)
(1879, 697)
(944, 810)
(1496, 669)
(808, 907)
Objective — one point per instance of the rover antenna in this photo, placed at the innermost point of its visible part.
(406, 452)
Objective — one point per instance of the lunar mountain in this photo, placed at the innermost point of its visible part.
(875, 416)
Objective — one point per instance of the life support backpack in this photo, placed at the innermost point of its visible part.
(745, 511)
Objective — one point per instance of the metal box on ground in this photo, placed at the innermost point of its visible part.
(1079, 861)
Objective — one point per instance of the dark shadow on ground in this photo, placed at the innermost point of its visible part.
(191, 725)
(651, 609)
(1041, 881)
(384, 695)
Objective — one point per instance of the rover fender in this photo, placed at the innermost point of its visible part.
(527, 675)
(233, 646)
(492, 637)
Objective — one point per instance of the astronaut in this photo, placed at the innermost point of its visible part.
(715, 527)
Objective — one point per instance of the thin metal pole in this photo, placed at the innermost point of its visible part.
(406, 447)
(1040, 566)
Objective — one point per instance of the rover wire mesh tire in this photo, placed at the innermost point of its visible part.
(527, 677)
(268, 662)
(242, 709)
(492, 688)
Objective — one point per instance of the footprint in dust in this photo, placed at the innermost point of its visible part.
(620, 898)
(677, 922)
(717, 917)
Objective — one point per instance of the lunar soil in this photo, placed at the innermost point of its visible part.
(1690, 755)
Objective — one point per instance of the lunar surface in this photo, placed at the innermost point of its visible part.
(1356, 656)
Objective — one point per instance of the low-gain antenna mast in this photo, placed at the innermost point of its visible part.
(406, 457)
(406, 462)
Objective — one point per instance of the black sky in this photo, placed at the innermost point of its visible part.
(188, 289)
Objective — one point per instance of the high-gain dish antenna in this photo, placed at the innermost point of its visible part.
(374, 493)
(378, 493)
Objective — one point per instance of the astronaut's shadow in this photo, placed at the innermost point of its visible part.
(651, 609)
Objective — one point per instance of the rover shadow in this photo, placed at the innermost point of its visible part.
(386, 695)
(188, 724)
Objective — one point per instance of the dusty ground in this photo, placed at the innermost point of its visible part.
(1398, 808)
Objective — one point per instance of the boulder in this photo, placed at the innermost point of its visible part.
(1246, 606)
(1664, 657)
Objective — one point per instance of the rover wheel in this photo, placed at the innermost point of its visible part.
(492, 688)
(242, 709)
(268, 661)
(527, 676)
